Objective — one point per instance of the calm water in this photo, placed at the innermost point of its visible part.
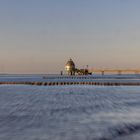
(124, 78)
(69, 113)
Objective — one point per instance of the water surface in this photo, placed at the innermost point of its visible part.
(69, 113)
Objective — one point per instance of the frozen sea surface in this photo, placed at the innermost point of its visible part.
(69, 113)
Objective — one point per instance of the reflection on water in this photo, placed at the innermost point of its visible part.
(69, 113)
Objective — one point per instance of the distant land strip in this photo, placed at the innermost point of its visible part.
(71, 83)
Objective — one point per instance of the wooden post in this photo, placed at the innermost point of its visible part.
(102, 73)
(119, 72)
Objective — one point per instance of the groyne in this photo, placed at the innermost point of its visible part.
(71, 83)
(134, 76)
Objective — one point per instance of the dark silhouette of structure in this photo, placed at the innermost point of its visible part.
(72, 70)
(70, 67)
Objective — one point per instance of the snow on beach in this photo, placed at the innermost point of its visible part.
(69, 112)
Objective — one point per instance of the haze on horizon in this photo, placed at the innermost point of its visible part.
(39, 36)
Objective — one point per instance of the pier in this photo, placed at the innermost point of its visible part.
(115, 71)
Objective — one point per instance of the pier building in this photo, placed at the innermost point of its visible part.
(70, 67)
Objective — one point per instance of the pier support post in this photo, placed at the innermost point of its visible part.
(103, 73)
(119, 72)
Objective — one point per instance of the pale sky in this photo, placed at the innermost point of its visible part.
(39, 36)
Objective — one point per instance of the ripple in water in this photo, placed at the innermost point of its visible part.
(69, 113)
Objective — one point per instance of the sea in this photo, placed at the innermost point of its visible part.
(69, 112)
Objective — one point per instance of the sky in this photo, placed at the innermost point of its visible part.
(39, 36)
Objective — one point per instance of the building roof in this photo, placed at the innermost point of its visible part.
(70, 63)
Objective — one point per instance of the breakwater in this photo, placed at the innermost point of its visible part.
(94, 77)
(57, 80)
(71, 83)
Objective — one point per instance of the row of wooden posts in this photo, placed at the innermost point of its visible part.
(70, 83)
